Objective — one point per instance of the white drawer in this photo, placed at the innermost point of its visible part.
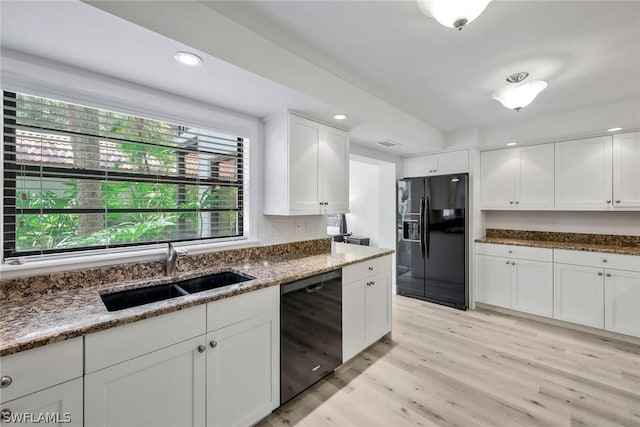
(597, 259)
(41, 367)
(518, 252)
(115, 345)
(235, 309)
(365, 269)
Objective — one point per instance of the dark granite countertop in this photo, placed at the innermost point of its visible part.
(43, 319)
(624, 245)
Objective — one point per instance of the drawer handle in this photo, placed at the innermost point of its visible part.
(5, 416)
(513, 263)
(507, 263)
(510, 252)
(5, 381)
(608, 274)
(370, 268)
(201, 348)
(213, 344)
(600, 274)
(604, 260)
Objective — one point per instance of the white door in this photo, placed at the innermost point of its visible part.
(243, 366)
(162, 388)
(622, 302)
(496, 185)
(533, 176)
(452, 162)
(584, 173)
(532, 287)
(334, 169)
(354, 319)
(304, 139)
(378, 289)
(578, 294)
(60, 405)
(493, 281)
(626, 170)
(415, 167)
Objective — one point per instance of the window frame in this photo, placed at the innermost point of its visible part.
(9, 193)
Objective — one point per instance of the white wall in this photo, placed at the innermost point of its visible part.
(364, 201)
(621, 223)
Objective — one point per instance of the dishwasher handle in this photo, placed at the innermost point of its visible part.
(311, 283)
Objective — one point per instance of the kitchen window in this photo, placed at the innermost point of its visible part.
(77, 178)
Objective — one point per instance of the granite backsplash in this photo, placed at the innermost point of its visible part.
(22, 287)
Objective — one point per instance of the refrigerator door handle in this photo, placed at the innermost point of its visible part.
(428, 226)
(422, 242)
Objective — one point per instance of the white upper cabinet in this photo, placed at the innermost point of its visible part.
(437, 164)
(306, 167)
(584, 173)
(496, 185)
(626, 170)
(517, 178)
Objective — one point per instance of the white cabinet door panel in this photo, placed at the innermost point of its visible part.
(303, 163)
(60, 405)
(493, 281)
(626, 170)
(532, 287)
(578, 295)
(451, 162)
(415, 167)
(334, 165)
(534, 186)
(243, 366)
(496, 189)
(584, 173)
(354, 319)
(379, 306)
(163, 388)
(622, 302)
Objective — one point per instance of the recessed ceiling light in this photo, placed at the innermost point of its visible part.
(613, 129)
(187, 58)
(340, 116)
(512, 143)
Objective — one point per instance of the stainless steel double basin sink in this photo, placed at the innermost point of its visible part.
(134, 297)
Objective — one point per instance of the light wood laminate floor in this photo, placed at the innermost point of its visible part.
(477, 368)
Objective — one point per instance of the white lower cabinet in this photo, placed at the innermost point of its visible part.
(243, 371)
(60, 405)
(228, 374)
(532, 287)
(366, 305)
(579, 295)
(494, 280)
(162, 388)
(622, 302)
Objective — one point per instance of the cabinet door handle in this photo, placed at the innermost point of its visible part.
(604, 260)
(608, 274)
(5, 381)
(510, 252)
(513, 263)
(213, 344)
(373, 283)
(517, 203)
(617, 201)
(510, 203)
(201, 348)
(608, 201)
(600, 274)
(507, 263)
(370, 268)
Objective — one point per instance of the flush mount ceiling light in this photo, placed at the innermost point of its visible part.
(519, 94)
(340, 116)
(187, 58)
(453, 13)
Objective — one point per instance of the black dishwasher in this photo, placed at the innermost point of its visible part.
(310, 331)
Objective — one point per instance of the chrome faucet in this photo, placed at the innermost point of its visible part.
(170, 261)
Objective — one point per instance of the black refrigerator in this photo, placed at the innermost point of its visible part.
(432, 258)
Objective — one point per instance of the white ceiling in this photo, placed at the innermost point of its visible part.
(588, 52)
